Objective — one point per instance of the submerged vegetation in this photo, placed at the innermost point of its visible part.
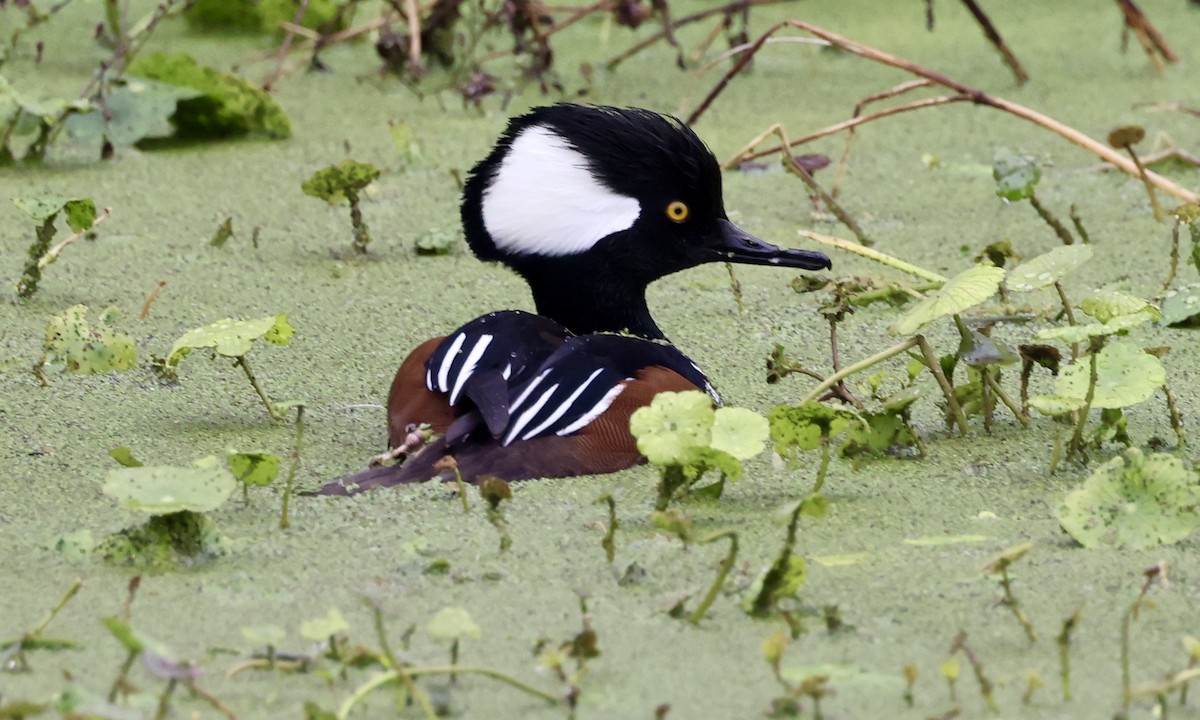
(870, 436)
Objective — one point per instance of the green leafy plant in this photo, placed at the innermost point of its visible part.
(27, 126)
(13, 650)
(253, 469)
(682, 435)
(782, 579)
(1134, 502)
(233, 339)
(178, 532)
(681, 526)
(345, 182)
(453, 624)
(72, 344)
(1016, 177)
(44, 210)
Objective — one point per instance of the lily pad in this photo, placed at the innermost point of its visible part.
(740, 432)
(961, 292)
(1045, 270)
(1125, 375)
(74, 345)
(453, 623)
(231, 338)
(163, 489)
(673, 426)
(1135, 502)
(1181, 308)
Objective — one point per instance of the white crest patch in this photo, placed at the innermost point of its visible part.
(544, 200)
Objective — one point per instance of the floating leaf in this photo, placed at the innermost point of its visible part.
(1015, 176)
(324, 628)
(961, 292)
(883, 431)
(81, 212)
(453, 623)
(135, 110)
(1125, 375)
(1135, 502)
(335, 183)
(254, 468)
(72, 344)
(1045, 270)
(805, 426)
(673, 426)
(124, 456)
(226, 105)
(163, 489)
(1181, 308)
(739, 432)
(231, 338)
(1113, 304)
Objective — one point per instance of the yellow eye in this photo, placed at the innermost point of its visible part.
(677, 211)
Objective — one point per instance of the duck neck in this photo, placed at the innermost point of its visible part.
(593, 302)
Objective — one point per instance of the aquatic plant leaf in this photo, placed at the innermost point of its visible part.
(129, 638)
(226, 105)
(1015, 176)
(701, 460)
(74, 345)
(254, 468)
(1045, 270)
(740, 432)
(324, 628)
(883, 431)
(1126, 135)
(438, 242)
(805, 426)
(1055, 405)
(673, 426)
(164, 489)
(81, 212)
(1181, 308)
(794, 573)
(978, 350)
(124, 456)
(453, 623)
(135, 110)
(1069, 334)
(1135, 502)
(231, 338)
(1108, 306)
(334, 183)
(1125, 375)
(961, 292)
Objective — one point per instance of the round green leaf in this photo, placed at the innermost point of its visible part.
(1125, 375)
(1045, 270)
(1182, 307)
(254, 468)
(332, 184)
(229, 337)
(453, 623)
(1069, 334)
(961, 292)
(41, 207)
(1015, 175)
(77, 346)
(1134, 502)
(672, 426)
(740, 432)
(1113, 304)
(163, 489)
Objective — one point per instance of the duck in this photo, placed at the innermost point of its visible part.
(589, 204)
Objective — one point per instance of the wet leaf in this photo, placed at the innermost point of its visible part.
(223, 233)
(1015, 176)
(81, 212)
(978, 350)
(1045, 270)
(164, 542)
(334, 183)
(74, 345)
(135, 110)
(1135, 502)
(453, 623)
(740, 432)
(673, 426)
(1005, 558)
(163, 489)
(324, 628)
(883, 431)
(1107, 306)
(961, 292)
(804, 426)
(231, 338)
(1181, 308)
(254, 468)
(1125, 375)
(226, 105)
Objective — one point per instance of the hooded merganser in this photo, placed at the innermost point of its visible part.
(589, 205)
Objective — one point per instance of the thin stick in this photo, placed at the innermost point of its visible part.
(150, 299)
(1004, 398)
(873, 254)
(935, 368)
(285, 47)
(722, 573)
(414, 36)
(994, 38)
(52, 254)
(244, 364)
(798, 170)
(284, 519)
(1137, 20)
(900, 89)
(863, 364)
(977, 96)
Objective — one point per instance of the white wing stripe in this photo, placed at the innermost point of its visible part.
(447, 361)
(526, 416)
(521, 399)
(595, 412)
(469, 366)
(562, 408)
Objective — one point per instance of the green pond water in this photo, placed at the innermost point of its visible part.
(356, 318)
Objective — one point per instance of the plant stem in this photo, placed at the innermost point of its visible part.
(119, 682)
(609, 542)
(52, 254)
(1158, 211)
(1055, 224)
(849, 370)
(1076, 445)
(726, 565)
(164, 700)
(362, 236)
(823, 467)
(935, 367)
(735, 286)
(284, 522)
(875, 255)
(1070, 313)
(1010, 599)
(1176, 418)
(994, 384)
(486, 672)
(32, 273)
(1174, 258)
(1064, 652)
(262, 394)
